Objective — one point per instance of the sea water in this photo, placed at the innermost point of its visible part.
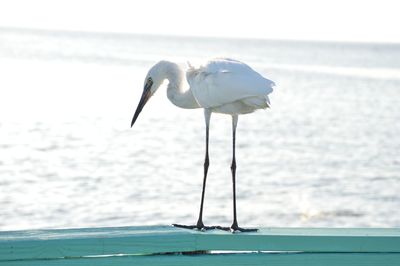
(325, 154)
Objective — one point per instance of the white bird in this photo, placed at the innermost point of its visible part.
(222, 85)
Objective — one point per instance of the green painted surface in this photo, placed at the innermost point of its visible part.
(299, 259)
(315, 246)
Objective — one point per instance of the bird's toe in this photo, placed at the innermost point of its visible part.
(186, 226)
(237, 229)
(202, 228)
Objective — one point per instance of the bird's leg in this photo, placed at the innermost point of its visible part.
(200, 225)
(235, 227)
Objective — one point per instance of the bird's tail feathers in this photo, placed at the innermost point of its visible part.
(267, 101)
(258, 102)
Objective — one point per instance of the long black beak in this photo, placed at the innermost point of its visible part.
(145, 97)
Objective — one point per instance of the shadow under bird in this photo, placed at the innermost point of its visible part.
(222, 85)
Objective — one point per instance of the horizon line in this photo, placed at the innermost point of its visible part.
(238, 38)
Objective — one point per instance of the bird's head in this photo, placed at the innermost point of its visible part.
(152, 82)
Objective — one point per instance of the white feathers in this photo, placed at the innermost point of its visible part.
(222, 85)
(226, 81)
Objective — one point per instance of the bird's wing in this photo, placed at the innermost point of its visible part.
(223, 81)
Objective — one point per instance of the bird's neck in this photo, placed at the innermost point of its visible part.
(176, 93)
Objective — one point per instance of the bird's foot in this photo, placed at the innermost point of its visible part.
(235, 229)
(196, 227)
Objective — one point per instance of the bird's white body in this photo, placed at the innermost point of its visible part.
(229, 86)
(222, 85)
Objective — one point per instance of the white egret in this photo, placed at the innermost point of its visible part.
(222, 85)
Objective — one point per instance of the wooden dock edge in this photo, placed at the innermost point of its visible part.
(166, 245)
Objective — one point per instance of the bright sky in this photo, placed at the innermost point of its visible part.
(342, 20)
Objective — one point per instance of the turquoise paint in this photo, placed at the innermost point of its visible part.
(291, 246)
